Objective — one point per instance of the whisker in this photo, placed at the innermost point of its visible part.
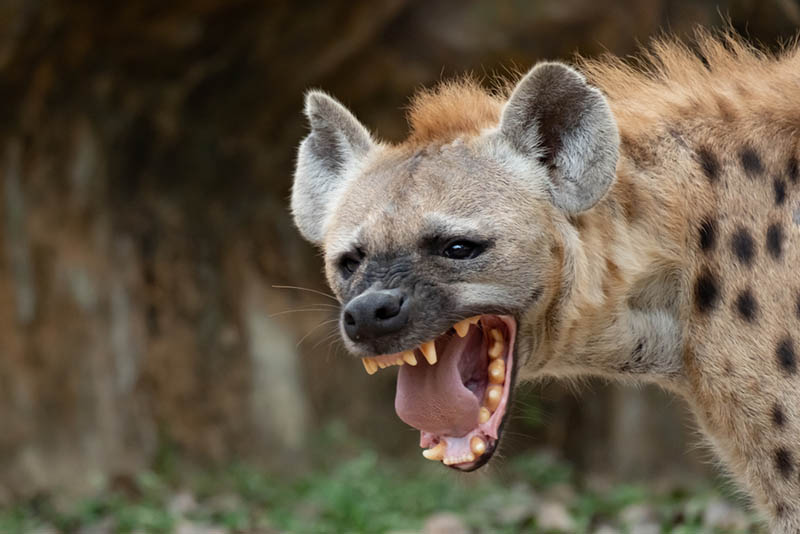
(330, 337)
(335, 346)
(325, 310)
(323, 323)
(316, 305)
(322, 293)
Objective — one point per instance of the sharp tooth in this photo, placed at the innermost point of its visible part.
(462, 327)
(496, 349)
(497, 335)
(399, 361)
(483, 415)
(409, 358)
(429, 351)
(493, 395)
(435, 453)
(497, 371)
(474, 320)
(477, 445)
(369, 365)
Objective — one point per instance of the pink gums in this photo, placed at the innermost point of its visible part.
(436, 402)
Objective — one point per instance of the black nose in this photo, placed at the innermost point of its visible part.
(375, 313)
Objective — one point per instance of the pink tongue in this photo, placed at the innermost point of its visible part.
(433, 398)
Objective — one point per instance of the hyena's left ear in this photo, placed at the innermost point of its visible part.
(336, 143)
(553, 115)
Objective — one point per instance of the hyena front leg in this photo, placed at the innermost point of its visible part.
(750, 424)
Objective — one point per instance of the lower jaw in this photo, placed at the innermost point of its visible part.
(473, 449)
(462, 452)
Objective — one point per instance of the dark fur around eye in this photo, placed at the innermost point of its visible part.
(350, 262)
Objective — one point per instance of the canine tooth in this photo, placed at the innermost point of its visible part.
(370, 365)
(462, 327)
(493, 395)
(477, 445)
(483, 415)
(497, 371)
(497, 335)
(435, 453)
(429, 351)
(496, 349)
(474, 320)
(409, 358)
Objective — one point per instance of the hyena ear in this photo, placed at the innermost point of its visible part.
(337, 142)
(553, 115)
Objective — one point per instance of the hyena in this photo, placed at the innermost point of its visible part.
(636, 222)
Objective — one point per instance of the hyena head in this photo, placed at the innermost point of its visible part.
(438, 248)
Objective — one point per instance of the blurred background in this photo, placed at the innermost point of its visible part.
(153, 378)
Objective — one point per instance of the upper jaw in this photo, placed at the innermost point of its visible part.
(413, 336)
(426, 350)
(419, 331)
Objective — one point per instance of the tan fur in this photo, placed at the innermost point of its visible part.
(747, 403)
(670, 80)
(452, 109)
(738, 82)
(628, 290)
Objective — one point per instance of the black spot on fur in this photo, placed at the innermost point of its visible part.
(746, 305)
(775, 240)
(780, 191)
(743, 246)
(786, 356)
(709, 163)
(778, 417)
(637, 351)
(708, 234)
(783, 462)
(751, 161)
(706, 292)
(791, 169)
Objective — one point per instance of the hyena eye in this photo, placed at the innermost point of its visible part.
(350, 263)
(462, 250)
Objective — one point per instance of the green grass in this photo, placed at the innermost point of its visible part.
(354, 492)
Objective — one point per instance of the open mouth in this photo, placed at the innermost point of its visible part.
(455, 389)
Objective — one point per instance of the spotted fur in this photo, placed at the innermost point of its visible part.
(678, 265)
(738, 174)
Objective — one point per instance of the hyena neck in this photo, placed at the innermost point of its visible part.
(618, 312)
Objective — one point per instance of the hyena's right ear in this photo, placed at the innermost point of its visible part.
(336, 143)
(557, 119)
